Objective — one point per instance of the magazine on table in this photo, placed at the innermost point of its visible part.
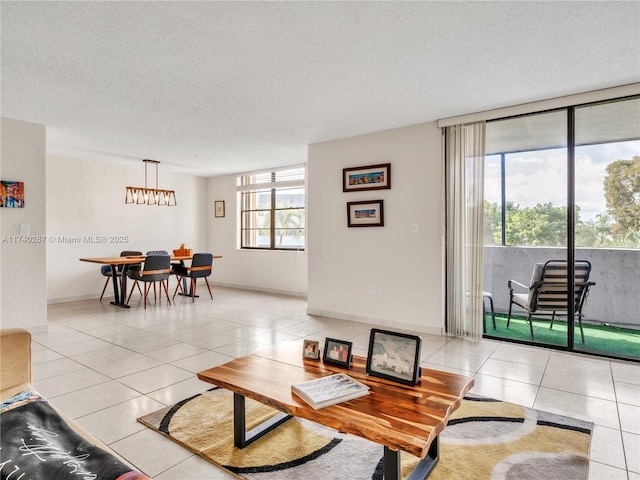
(325, 391)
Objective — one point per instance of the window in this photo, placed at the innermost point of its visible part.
(526, 177)
(526, 181)
(272, 209)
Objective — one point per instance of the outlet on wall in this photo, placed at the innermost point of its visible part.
(372, 289)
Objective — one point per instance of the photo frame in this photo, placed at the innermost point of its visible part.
(370, 177)
(218, 207)
(311, 349)
(394, 356)
(337, 352)
(368, 213)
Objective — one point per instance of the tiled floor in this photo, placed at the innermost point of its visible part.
(105, 366)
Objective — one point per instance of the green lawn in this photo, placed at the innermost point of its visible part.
(608, 340)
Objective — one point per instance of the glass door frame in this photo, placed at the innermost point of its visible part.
(571, 221)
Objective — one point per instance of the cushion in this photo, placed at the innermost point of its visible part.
(38, 443)
(536, 276)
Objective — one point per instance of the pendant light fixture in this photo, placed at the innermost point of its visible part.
(150, 196)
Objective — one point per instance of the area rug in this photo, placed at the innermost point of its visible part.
(485, 439)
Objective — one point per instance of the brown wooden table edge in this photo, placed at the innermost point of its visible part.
(410, 443)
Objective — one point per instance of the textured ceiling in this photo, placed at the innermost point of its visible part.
(225, 87)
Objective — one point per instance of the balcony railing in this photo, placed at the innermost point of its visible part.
(614, 300)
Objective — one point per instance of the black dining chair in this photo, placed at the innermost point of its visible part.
(164, 252)
(156, 268)
(137, 266)
(201, 267)
(106, 271)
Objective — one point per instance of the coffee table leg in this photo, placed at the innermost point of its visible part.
(422, 470)
(242, 438)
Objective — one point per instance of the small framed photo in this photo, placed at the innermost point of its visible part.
(311, 349)
(370, 177)
(394, 356)
(369, 213)
(219, 208)
(337, 352)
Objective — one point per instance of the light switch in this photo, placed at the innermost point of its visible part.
(414, 228)
(24, 229)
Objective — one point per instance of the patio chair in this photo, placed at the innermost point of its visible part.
(548, 292)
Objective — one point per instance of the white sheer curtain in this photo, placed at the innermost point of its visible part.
(464, 171)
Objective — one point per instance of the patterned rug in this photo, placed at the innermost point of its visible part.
(485, 439)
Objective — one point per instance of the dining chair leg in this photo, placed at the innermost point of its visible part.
(105, 287)
(207, 282)
(146, 292)
(179, 285)
(135, 282)
(166, 290)
(193, 290)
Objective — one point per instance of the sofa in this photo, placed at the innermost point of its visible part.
(38, 441)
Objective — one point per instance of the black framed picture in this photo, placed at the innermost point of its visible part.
(368, 213)
(219, 208)
(369, 177)
(394, 356)
(337, 352)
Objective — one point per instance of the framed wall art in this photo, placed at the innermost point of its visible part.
(11, 194)
(219, 208)
(370, 177)
(337, 352)
(394, 356)
(368, 213)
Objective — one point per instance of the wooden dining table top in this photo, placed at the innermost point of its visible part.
(133, 259)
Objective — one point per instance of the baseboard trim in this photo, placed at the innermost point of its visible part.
(77, 298)
(382, 322)
(275, 291)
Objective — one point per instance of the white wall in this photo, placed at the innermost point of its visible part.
(86, 198)
(406, 268)
(23, 297)
(270, 271)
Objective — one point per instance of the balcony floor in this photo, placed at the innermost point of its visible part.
(600, 339)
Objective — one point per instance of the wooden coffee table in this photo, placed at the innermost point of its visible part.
(399, 417)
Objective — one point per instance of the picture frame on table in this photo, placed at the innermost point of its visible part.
(394, 356)
(337, 352)
(367, 213)
(369, 177)
(218, 208)
(311, 349)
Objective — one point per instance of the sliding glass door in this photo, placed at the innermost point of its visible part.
(607, 231)
(525, 221)
(565, 186)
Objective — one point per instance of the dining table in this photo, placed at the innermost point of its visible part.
(120, 292)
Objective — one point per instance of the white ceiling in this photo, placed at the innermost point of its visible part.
(224, 87)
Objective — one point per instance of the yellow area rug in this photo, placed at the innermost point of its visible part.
(485, 439)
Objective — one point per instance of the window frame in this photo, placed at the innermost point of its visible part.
(248, 183)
